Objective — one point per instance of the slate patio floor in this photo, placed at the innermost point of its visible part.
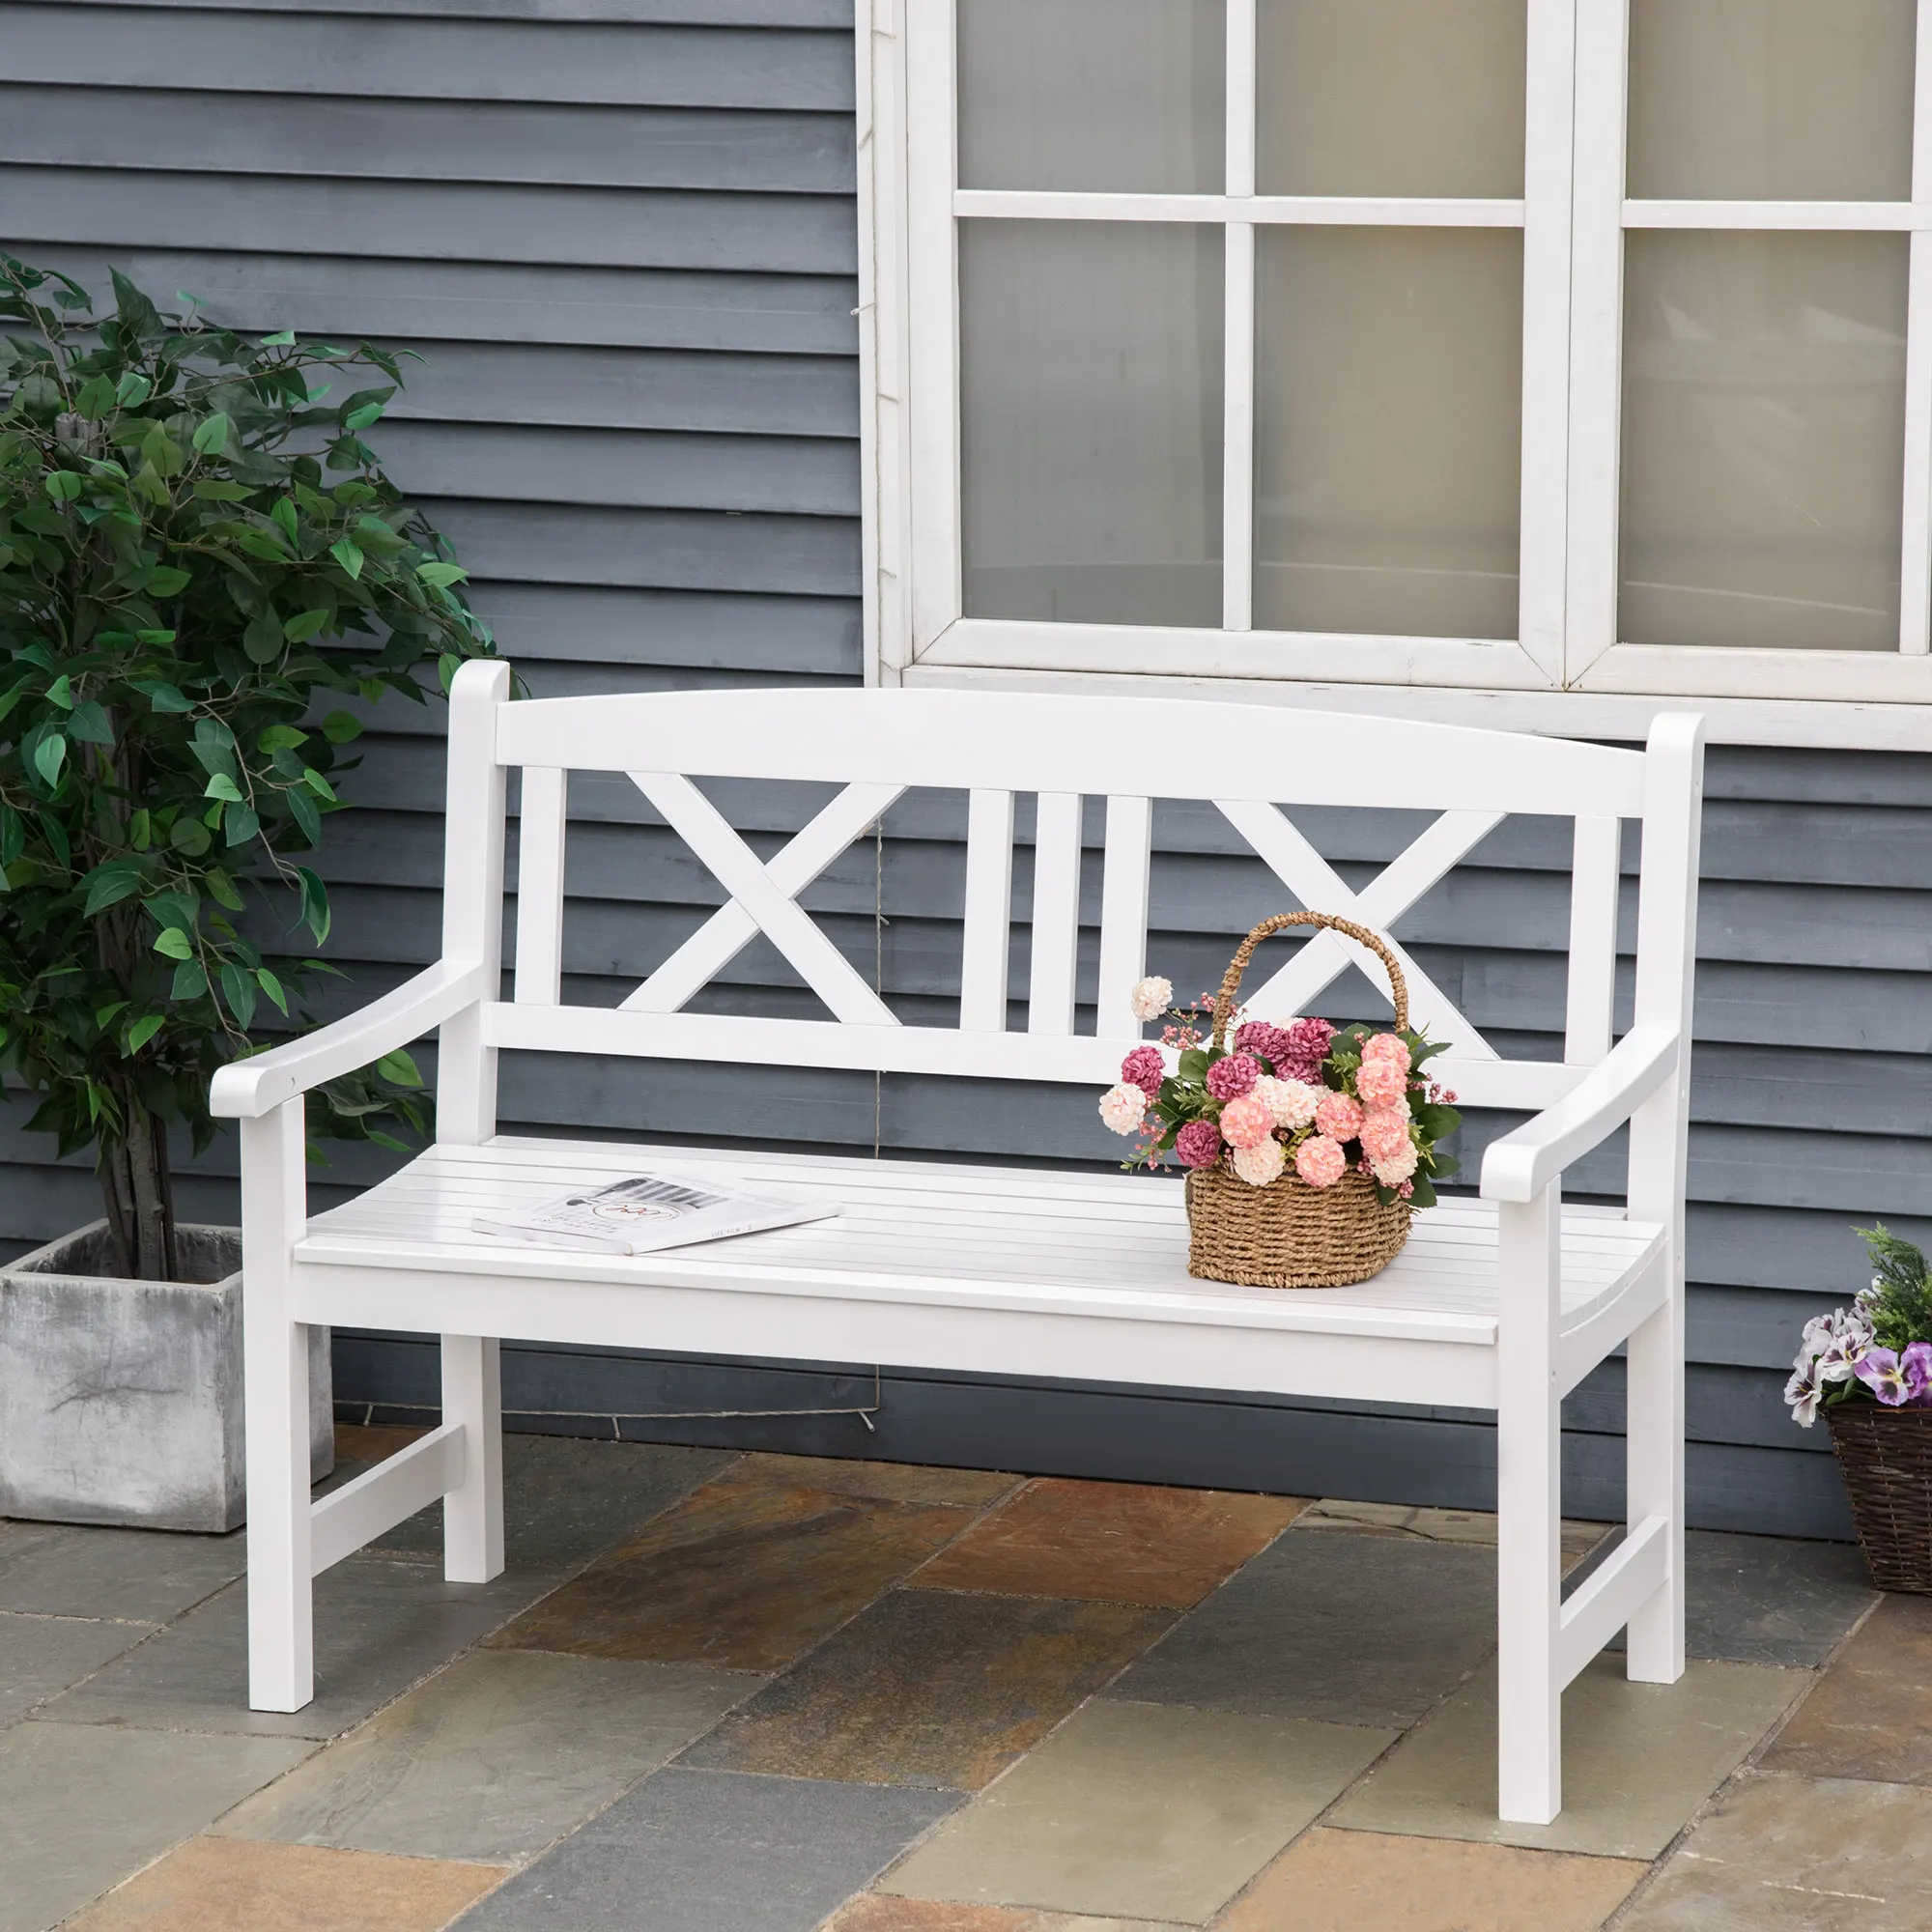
(759, 1693)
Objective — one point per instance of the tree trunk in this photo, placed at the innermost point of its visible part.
(139, 1192)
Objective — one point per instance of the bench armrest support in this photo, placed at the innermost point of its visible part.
(246, 1088)
(1520, 1165)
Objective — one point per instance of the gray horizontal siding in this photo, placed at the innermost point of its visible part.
(620, 232)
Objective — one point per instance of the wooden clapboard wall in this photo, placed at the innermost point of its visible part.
(621, 233)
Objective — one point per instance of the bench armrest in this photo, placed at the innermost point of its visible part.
(1520, 1165)
(245, 1088)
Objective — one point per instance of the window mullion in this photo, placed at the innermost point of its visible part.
(1915, 589)
(1238, 372)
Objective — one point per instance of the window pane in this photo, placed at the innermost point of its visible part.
(1790, 99)
(1126, 94)
(1388, 386)
(1390, 97)
(1090, 413)
(1762, 459)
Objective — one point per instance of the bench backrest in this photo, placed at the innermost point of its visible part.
(993, 745)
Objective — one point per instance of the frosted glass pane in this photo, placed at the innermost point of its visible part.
(1091, 420)
(1790, 99)
(1764, 402)
(1126, 94)
(1390, 97)
(1388, 386)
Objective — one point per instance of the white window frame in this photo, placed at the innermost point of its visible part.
(1566, 672)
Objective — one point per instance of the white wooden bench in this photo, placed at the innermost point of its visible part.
(1504, 1301)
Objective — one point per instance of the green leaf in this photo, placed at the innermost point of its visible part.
(90, 725)
(318, 785)
(133, 391)
(169, 581)
(300, 629)
(162, 696)
(64, 486)
(238, 988)
(222, 785)
(212, 489)
(241, 825)
(314, 903)
(340, 726)
(109, 885)
(273, 986)
(222, 889)
(440, 575)
(399, 1068)
(96, 398)
(262, 640)
(305, 812)
(162, 452)
(190, 837)
(281, 339)
(278, 737)
(142, 1032)
(175, 944)
(211, 438)
(191, 981)
(349, 555)
(141, 829)
(49, 755)
(358, 420)
(283, 517)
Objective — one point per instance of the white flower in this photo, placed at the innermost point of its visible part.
(1151, 998)
(1293, 1101)
(1122, 1107)
(1258, 1165)
(1802, 1394)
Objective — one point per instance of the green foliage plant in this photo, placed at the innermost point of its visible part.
(202, 564)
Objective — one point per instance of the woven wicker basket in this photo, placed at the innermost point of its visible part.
(1885, 1458)
(1288, 1234)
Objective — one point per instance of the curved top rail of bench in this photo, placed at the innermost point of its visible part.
(1032, 742)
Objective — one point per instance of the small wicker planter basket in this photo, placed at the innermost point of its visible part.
(1885, 1458)
(1288, 1234)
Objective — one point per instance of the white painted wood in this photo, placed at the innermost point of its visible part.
(1596, 878)
(1055, 939)
(246, 1088)
(1123, 914)
(1595, 1338)
(971, 740)
(1520, 1165)
(342, 1521)
(1529, 1784)
(472, 893)
(1237, 428)
(472, 1507)
(540, 822)
(1288, 855)
(1549, 132)
(1845, 216)
(1613, 1593)
(988, 921)
(1301, 210)
(1240, 98)
(731, 928)
(818, 962)
(1915, 610)
(1596, 334)
(281, 1642)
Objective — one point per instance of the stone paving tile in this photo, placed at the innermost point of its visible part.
(1799, 1855)
(742, 1575)
(374, 1441)
(143, 1575)
(1436, 1525)
(697, 1851)
(1871, 1712)
(890, 1482)
(567, 1499)
(932, 1686)
(82, 1806)
(381, 1623)
(494, 1758)
(880, 1912)
(40, 1657)
(1126, 1542)
(1360, 1882)
(1141, 1810)
(216, 1885)
(1637, 1759)
(1354, 1629)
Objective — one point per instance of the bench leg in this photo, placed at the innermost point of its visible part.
(281, 1643)
(473, 1514)
(1529, 1729)
(1653, 1481)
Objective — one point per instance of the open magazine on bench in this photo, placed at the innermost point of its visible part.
(650, 1211)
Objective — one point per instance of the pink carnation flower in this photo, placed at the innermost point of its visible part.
(1123, 1107)
(1260, 1164)
(1197, 1143)
(1232, 1076)
(1293, 1101)
(1339, 1117)
(1248, 1120)
(1383, 1133)
(1145, 1068)
(1265, 1038)
(1381, 1083)
(1387, 1047)
(1307, 1048)
(1399, 1167)
(1320, 1161)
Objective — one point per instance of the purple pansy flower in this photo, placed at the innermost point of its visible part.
(1881, 1372)
(1915, 1362)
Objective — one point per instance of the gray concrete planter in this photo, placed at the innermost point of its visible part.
(120, 1400)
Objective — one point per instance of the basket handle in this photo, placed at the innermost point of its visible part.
(1231, 980)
